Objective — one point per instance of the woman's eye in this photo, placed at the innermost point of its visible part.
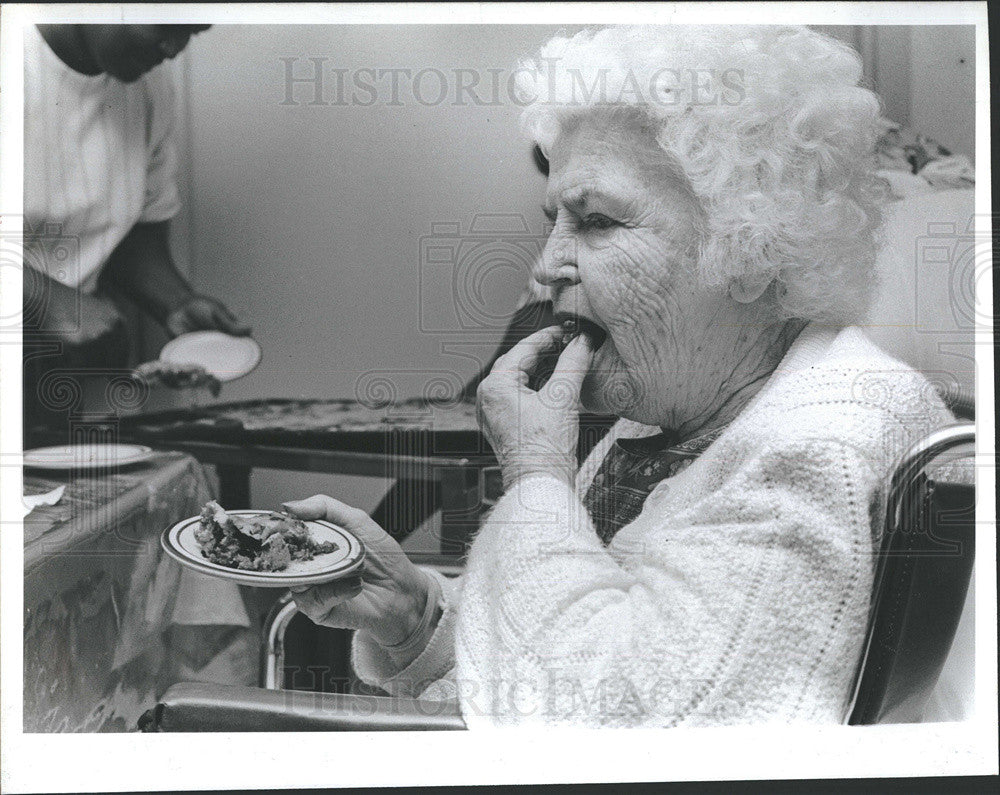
(598, 222)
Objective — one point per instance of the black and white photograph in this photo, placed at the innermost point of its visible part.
(413, 373)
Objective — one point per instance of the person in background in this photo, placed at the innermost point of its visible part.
(99, 192)
(100, 183)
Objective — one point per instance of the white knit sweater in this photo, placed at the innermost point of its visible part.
(739, 595)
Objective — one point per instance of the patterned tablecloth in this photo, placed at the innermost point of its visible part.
(109, 621)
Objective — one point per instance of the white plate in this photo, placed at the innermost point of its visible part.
(180, 543)
(86, 456)
(223, 355)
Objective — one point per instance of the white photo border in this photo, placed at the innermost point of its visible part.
(110, 763)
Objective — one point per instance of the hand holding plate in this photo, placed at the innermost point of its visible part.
(388, 603)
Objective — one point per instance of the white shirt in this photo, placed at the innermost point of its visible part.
(98, 158)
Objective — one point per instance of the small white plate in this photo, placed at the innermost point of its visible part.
(86, 456)
(222, 355)
(180, 543)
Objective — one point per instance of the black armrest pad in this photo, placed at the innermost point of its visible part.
(196, 707)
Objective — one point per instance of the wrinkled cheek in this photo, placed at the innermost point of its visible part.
(607, 388)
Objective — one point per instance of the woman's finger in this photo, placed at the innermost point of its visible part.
(354, 520)
(520, 360)
(571, 369)
(575, 359)
(336, 589)
(320, 601)
(320, 506)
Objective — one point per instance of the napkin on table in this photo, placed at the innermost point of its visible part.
(32, 501)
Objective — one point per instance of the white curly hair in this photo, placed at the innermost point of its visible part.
(769, 126)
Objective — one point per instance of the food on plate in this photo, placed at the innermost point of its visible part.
(262, 542)
(178, 376)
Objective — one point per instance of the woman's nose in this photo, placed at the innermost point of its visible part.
(557, 265)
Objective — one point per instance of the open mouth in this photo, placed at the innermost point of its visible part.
(573, 325)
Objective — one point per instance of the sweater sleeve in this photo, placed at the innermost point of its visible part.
(747, 604)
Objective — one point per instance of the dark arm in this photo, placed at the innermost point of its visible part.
(142, 268)
(67, 313)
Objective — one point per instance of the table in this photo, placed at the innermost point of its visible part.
(432, 450)
(109, 621)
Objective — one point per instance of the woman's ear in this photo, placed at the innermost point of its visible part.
(748, 289)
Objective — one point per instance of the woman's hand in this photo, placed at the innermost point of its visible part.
(535, 432)
(386, 600)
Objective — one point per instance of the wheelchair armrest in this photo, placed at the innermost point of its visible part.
(197, 707)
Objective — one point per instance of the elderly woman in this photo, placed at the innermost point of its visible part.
(715, 223)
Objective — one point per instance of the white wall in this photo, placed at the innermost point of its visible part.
(924, 75)
(942, 86)
(308, 220)
(924, 313)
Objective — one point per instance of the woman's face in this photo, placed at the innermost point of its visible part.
(622, 254)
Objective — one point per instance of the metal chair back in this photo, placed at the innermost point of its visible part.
(922, 578)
